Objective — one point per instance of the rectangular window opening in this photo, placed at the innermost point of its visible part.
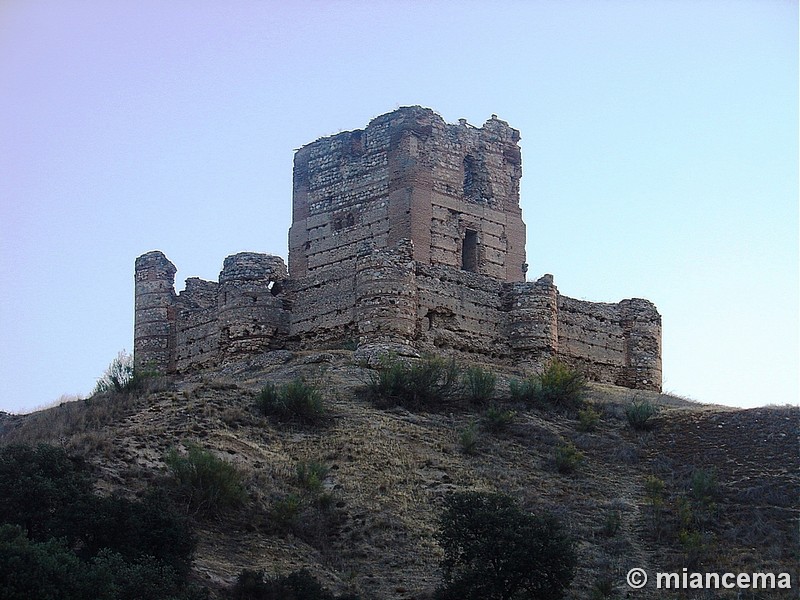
(469, 251)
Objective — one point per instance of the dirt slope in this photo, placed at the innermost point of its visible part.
(390, 469)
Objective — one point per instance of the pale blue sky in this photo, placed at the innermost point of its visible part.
(659, 140)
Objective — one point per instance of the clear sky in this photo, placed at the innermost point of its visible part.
(659, 141)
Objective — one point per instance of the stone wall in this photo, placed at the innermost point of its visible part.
(389, 300)
(208, 322)
(406, 235)
(197, 325)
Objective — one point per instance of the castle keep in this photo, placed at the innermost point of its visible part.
(406, 236)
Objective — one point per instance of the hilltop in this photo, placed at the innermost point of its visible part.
(387, 472)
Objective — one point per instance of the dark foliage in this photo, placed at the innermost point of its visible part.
(558, 386)
(300, 585)
(206, 484)
(39, 488)
(297, 401)
(424, 384)
(493, 550)
(60, 540)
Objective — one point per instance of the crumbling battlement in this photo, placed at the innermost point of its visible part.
(406, 235)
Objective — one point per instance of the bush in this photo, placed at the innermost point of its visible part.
(297, 400)
(285, 512)
(588, 419)
(562, 386)
(612, 523)
(310, 475)
(426, 383)
(39, 488)
(639, 413)
(567, 458)
(300, 585)
(468, 438)
(654, 494)
(479, 384)
(494, 551)
(55, 533)
(496, 419)
(525, 391)
(558, 386)
(47, 569)
(208, 485)
(121, 376)
(704, 487)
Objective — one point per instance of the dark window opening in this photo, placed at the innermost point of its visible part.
(469, 251)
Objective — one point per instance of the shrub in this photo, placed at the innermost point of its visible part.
(134, 529)
(639, 413)
(297, 400)
(654, 490)
(121, 376)
(107, 548)
(300, 585)
(468, 438)
(46, 569)
(496, 419)
(693, 546)
(588, 419)
(567, 457)
(525, 390)
(207, 484)
(479, 384)
(426, 383)
(654, 494)
(558, 386)
(310, 475)
(493, 551)
(612, 523)
(561, 385)
(704, 487)
(285, 512)
(603, 588)
(38, 488)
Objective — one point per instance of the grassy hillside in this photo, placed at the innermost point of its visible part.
(705, 487)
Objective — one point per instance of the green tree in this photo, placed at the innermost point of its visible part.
(38, 488)
(44, 570)
(493, 550)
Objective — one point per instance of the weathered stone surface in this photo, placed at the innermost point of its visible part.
(407, 237)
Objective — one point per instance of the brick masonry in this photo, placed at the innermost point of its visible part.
(407, 234)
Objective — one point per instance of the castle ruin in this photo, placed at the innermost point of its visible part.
(406, 236)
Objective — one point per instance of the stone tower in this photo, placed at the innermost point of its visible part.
(154, 330)
(453, 190)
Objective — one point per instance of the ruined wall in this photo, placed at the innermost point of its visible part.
(386, 296)
(406, 235)
(475, 199)
(613, 343)
(196, 325)
(340, 199)
(208, 322)
(322, 305)
(459, 310)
